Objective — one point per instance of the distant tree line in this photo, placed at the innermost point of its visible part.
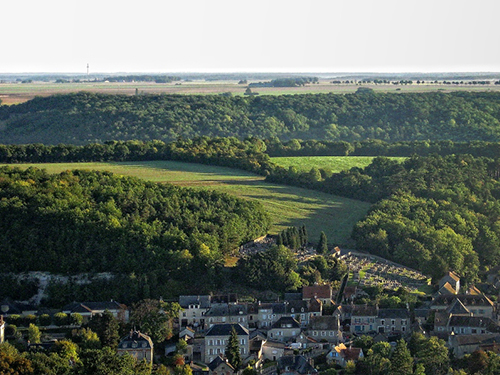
(142, 78)
(286, 82)
(83, 118)
(297, 147)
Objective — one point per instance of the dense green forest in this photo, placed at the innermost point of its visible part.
(82, 221)
(84, 117)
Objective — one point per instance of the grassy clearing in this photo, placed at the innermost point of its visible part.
(334, 163)
(288, 206)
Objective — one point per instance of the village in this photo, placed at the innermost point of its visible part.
(304, 331)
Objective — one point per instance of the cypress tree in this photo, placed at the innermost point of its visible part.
(233, 350)
(304, 235)
(279, 240)
(323, 244)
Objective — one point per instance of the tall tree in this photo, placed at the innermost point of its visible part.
(155, 318)
(322, 247)
(401, 360)
(34, 335)
(233, 350)
(106, 326)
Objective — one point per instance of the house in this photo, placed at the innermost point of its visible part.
(138, 345)
(257, 341)
(295, 365)
(217, 337)
(452, 279)
(186, 334)
(363, 319)
(303, 311)
(461, 345)
(325, 328)
(341, 354)
(273, 350)
(199, 369)
(230, 313)
(305, 342)
(193, 309)
(476, 304)
(220, 366)
(321, 292)
(393, 321)
(284, 330)
(89, 309)
(467, 325)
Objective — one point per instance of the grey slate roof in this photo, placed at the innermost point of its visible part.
(203, 301)
(364, 310)
(286, 322)
(393, 314)
(297, 363)
(216, 363)
(471, 321)
(324, 323)
(225, 330)
(226, 310)
(136, 339)
(466, 299)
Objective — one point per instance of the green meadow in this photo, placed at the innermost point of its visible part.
(335, 164)
(287, 205)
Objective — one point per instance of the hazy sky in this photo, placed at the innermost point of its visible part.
(249, 35)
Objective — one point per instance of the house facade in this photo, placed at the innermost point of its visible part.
(363, 319)
(138, 345)
(393, 321)
(284, 330)
(325, 328)
(193, 309)
(217, 337)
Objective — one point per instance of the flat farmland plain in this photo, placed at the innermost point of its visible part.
(13, 93)
(335, 164)
(288, 206)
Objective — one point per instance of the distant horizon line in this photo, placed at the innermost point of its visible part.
(254, 72)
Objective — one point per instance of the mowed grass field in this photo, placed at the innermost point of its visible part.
(288, 206)
(335, 164)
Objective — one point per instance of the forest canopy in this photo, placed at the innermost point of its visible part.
(83, 118)
(88, 221)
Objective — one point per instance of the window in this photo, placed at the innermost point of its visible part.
(403, 322)
(210, 342)
(382, 322)
(393, 321)
(293, 310)
(210, 351)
